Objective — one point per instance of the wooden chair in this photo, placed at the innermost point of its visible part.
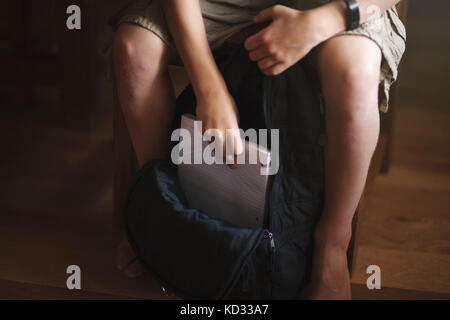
(125, 163)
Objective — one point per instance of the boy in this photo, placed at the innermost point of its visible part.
(357, 62)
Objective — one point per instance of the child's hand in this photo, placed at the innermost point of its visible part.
(217, 110)
(291, 35)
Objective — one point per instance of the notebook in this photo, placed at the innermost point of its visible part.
(234, 195)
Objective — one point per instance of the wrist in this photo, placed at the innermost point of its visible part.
(209, 87)
(211, 91)
(331, 19)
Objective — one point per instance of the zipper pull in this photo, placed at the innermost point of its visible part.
(272, 242)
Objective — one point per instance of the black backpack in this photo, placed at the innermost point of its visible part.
(199, 257)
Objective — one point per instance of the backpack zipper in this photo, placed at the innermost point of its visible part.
(271, 260)
(266, 98)
(272, 242)
(266, 112)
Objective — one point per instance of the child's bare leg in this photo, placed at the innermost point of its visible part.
(145, 91)
(349, 68)
(147, 99)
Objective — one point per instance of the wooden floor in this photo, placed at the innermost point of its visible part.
(406, 227)
(56, 195)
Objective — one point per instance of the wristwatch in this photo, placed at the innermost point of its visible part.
(352, 15)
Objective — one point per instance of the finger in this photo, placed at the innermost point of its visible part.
(236, 141)
(239, 146)
(234, 146)
(214, 136)
(230, 146)
(134, 270)
(221, 145)
(266, 14)
(257, 40)
(274, 70)
(124, 255)
(259, 53)
(234, 164)
(266, 63)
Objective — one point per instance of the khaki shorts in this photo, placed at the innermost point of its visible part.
(222, 18)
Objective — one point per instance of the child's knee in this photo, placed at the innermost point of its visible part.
(135, 48)
(350, 72)
(123, 47)
(353, 95)
(355, 83)
(349, 60)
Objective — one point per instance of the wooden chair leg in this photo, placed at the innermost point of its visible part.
(387, 128)
(388, 122)
(351, 247)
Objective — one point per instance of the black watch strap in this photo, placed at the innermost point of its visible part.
(352, 14)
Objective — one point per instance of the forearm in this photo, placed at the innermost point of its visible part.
(334, 18)
(186, 25)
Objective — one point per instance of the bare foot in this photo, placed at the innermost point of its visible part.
(126, 260)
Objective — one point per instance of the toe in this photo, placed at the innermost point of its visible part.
(124, 254)
(134, 270)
